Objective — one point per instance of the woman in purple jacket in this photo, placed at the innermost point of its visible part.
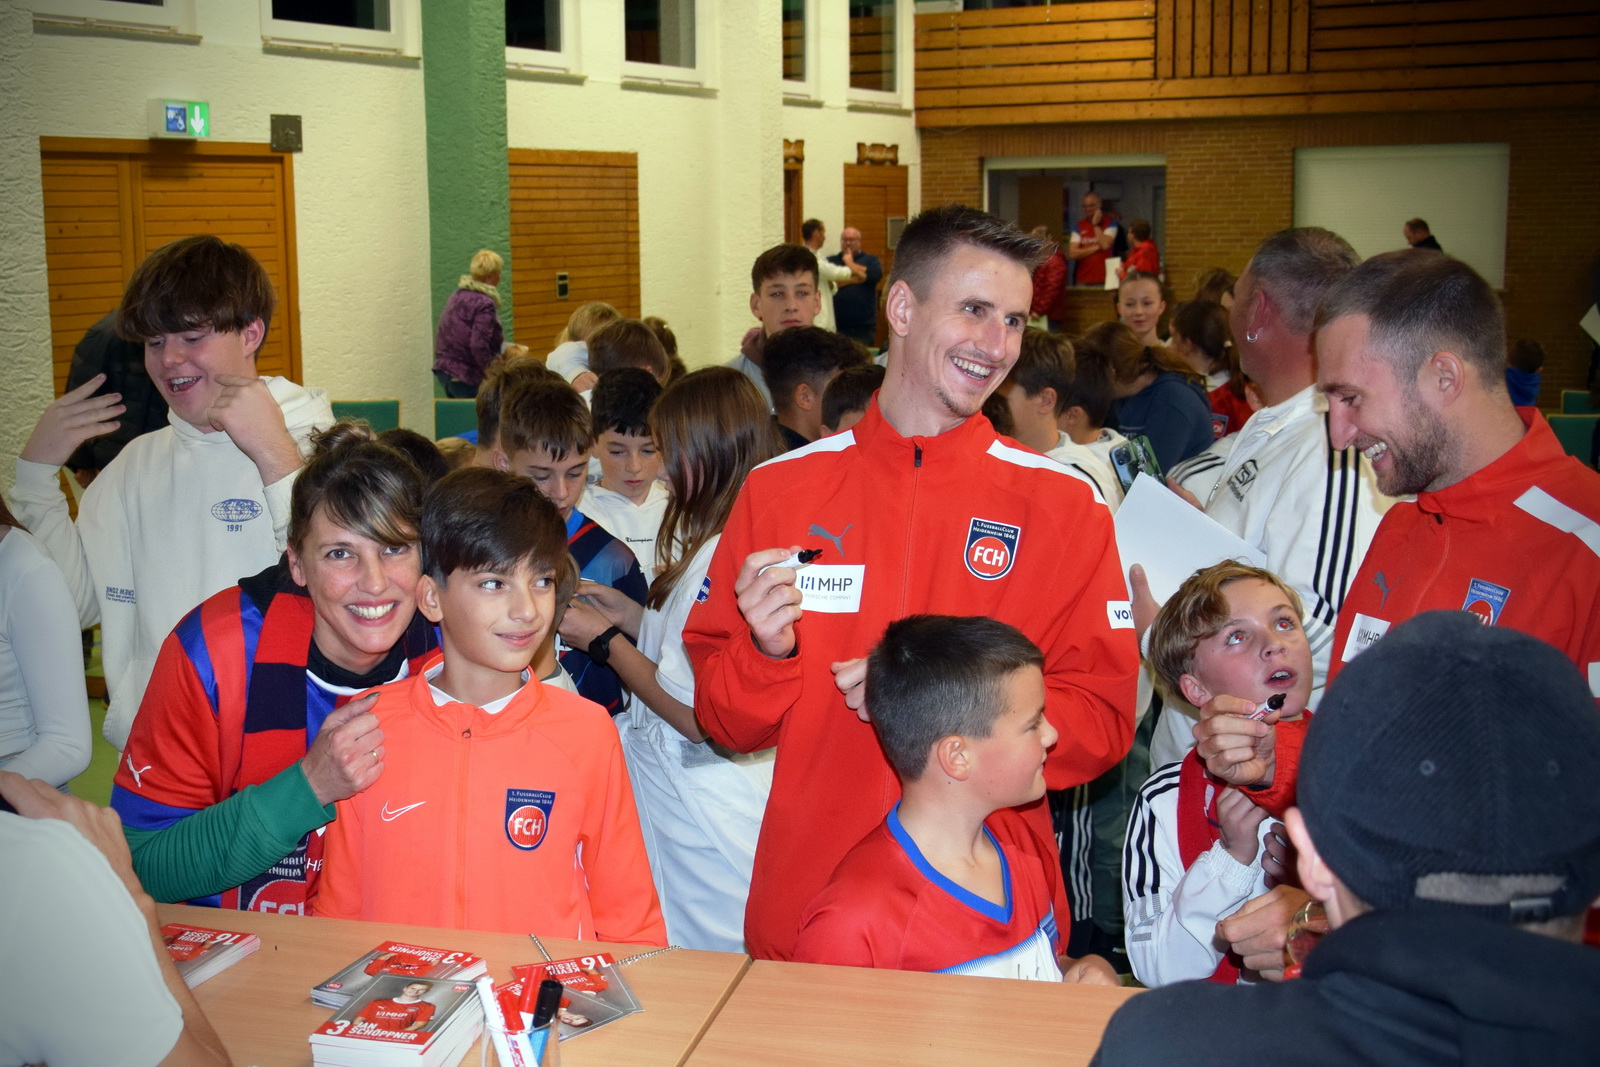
(469, 335)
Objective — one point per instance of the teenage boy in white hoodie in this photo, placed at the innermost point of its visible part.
(184, 511)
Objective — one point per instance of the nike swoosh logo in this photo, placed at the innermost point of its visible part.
(391, 816)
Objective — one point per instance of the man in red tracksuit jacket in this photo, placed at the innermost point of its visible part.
(1504, 525)
(919, 508)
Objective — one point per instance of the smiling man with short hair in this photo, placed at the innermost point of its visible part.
(917, 508)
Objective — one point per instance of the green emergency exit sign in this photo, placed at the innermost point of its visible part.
(180, 118)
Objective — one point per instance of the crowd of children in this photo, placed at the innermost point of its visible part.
(780, 656)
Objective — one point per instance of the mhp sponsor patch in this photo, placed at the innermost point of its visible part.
(528, 817)
(1486, 600)
(991, 548)
(834, 588)
(237, 509)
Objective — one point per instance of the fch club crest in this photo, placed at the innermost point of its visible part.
(528, 817)
(991, 548)
(1486, 600)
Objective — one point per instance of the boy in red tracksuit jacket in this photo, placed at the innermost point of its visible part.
(516, 791)
(954, 879)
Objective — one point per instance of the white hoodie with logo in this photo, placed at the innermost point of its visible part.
(177, 516)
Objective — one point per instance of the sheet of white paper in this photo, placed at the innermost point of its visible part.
(1171, 538)
(1591, 323)
(1113, 265)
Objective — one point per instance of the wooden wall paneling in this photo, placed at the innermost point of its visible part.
(1166, 36)
(1452, 55)
(1061, 74)
(1364, 13)
(1221, 38)
(1302, 103)
(1277, 42)
(1048, 64)
(1497, 31)
(1299, 36)
(1184, 37)
(84, 268)
(1240, 60)
(576, 212)
(1052, 32)
(998, 56)
(1260, 36)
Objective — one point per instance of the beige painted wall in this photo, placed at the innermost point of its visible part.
(710, 162)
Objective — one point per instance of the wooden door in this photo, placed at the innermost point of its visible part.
(874, 193)
(1039, 202)
(575, 213)
(109, 203)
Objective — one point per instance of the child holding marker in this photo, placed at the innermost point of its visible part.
(1195, 847)
(518, 787)
(954, 879)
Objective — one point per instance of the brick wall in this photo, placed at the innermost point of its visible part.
(1230, 182)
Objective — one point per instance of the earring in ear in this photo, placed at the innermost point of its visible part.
(1251, 336)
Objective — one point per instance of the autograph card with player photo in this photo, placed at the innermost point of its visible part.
(397, 958)
(421, 1020)
(596, 975)
(199, 952)
(579, 1014)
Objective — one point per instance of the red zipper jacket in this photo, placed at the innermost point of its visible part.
(964, 523)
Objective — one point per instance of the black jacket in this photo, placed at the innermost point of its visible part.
(1386, 988)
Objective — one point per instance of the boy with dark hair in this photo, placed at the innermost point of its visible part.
(1193, 854)
(546, 435)
(521, 785)
(1037, 390)
(848, 394)
(783, 294)
(1449, 828)
(954, 879)
(630, 498)
(627, 343)
(501, 373)
(800, 362)
(181, 512)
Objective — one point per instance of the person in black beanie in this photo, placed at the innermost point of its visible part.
(1449, 823)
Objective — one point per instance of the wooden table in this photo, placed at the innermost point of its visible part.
(799, 1013)
(262, 1009)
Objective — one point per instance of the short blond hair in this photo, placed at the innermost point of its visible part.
(1197, 611)
(486, 264)
(587, 319)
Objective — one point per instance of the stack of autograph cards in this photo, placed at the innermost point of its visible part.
(596, 992)
(397, 958)
(200, 953)
(401, 1021)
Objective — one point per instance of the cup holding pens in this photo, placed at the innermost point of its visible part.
(1305, 931)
